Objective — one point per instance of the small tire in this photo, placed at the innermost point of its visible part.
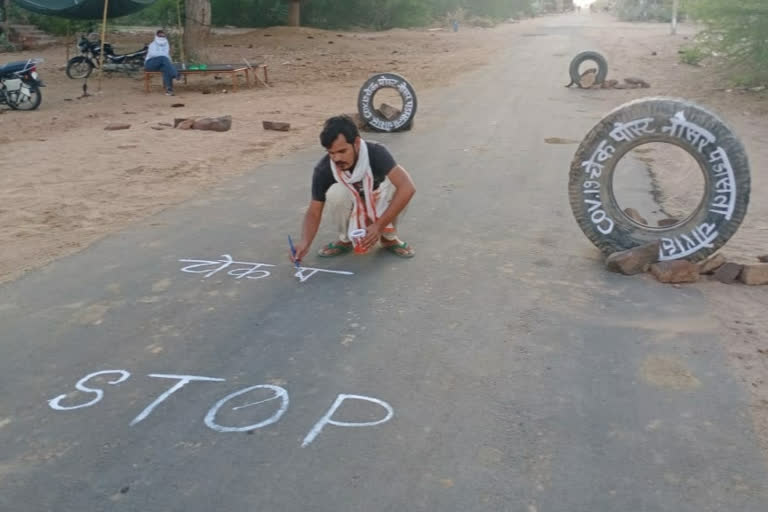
(368, 112)
(602, 67)
(719, 153)
(79, 67)
(33, 105)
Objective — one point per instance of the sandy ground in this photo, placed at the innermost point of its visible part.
(76, 182)
(72, 182)
(84, 182)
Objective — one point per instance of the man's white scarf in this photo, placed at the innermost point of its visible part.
(376, 201)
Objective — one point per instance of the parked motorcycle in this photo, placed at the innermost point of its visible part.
(90, 58)
(20, 84)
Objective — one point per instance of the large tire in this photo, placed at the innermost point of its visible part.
(703, 135)
(79, 67)
(366, 108)
(602, 67)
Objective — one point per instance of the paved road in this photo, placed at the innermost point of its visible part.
(522, 377)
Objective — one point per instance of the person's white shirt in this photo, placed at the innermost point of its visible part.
(158, 48)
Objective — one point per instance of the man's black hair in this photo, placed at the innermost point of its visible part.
(338, 125)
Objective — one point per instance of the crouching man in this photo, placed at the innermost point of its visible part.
(361, 187)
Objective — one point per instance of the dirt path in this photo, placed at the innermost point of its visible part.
(76, 182)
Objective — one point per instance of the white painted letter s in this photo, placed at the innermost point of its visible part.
(80, 386)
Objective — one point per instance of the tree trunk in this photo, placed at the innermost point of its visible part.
(294, 15)
(5, 21)
(197, 28)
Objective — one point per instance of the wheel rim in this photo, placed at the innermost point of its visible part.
(80, 69)
(24, 102)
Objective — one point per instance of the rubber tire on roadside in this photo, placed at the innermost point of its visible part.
(578, 60)
(366, 108)
(75, 60)
(38, 100)
(603, 220)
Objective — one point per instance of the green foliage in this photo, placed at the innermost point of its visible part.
(240, 13)
(738, 31)
(498, 9)
(5, 44)
(383, 14)
(376, 14)
(51, 24)
(373, 14)
(692, 55)
(162, 13)
(332, 14)
(249, 13)
(644, 10)
(62, 27)
(743, 79)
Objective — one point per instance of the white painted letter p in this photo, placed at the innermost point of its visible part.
(327, 419)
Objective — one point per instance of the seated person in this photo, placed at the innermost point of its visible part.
(159, 59)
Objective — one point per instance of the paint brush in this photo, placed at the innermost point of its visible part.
(293, 251)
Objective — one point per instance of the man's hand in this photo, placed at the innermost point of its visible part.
(302, 248)
(309, 230)
(372, 235)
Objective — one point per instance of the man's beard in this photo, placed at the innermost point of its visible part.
(354, 162)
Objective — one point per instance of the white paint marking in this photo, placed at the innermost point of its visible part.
(280, 393)
(183, 381)
(250, 271)
(326, 420)
(312, 271)
(253, 403)
(54, 402)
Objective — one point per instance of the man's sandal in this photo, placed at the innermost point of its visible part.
(334, 249)
(402, 250)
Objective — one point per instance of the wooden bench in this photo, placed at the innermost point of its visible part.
(234, 70)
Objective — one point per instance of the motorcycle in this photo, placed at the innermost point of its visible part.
(90, 58)
(20, 84)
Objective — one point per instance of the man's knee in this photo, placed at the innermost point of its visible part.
(338, 195)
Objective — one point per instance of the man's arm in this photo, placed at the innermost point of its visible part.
(405, 189)
(309, 229)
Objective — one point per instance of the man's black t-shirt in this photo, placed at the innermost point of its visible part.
(381, 163)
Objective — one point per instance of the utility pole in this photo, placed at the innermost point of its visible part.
(675, 7)
(103, 57)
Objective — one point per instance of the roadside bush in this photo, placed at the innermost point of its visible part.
(645, 10)
(162, 13)
(692, 55)
(479, 21)
(5, 44)
(51, 24)
(331, 14)
(738, 31)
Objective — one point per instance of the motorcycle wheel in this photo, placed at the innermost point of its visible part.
(135, 66)
(79, 67)
(19, 101)
(132, 69)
